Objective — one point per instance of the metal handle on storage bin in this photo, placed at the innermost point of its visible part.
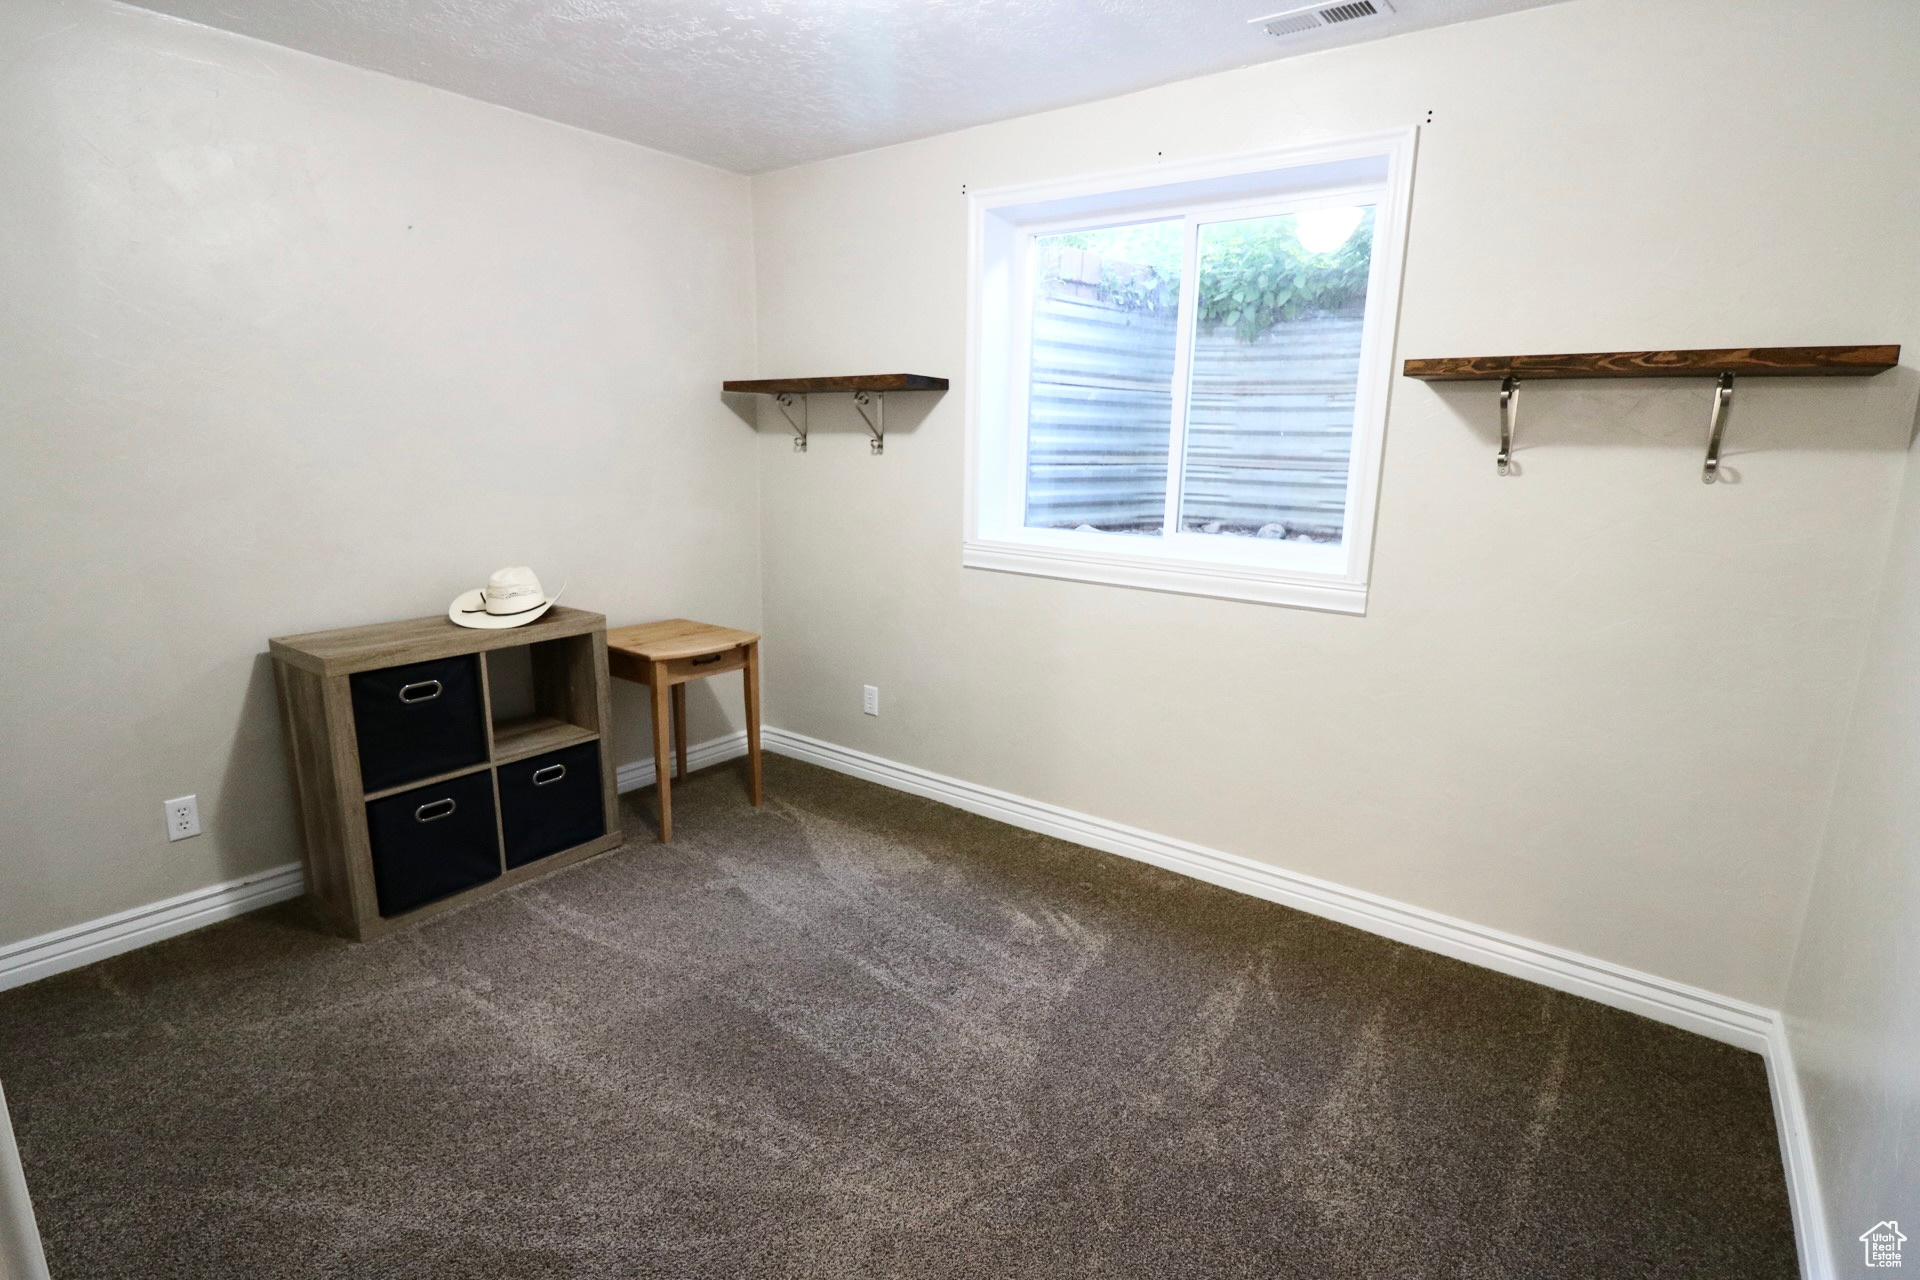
(552, 773)
(434, 688)
(421, 814)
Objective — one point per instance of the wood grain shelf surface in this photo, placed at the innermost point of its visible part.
(852, 382)
(518, 739)
(1771, 362)
(432, 781)
(390, 644)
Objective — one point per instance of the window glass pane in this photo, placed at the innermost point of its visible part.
(1276, 365)
(1100, 392)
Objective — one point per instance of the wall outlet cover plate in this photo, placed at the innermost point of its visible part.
(183, 817)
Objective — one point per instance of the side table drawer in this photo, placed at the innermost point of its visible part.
(551, 803)
(419, 720)
(433, 841)
(710, 664)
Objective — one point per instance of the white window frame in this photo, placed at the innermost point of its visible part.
(1002, 226)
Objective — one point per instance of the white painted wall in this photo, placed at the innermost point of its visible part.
(1599, 705)
(1853, 1009)
(287, 345)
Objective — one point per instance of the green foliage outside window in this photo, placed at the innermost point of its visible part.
(1253, 274)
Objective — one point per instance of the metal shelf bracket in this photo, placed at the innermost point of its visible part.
(1717, 427)
(876, 421)
(1509, 411)
(799, 425)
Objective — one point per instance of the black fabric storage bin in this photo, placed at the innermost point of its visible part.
(551, 802)
(433, 841)
(418, 720)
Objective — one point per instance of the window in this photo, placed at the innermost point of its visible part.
(1178, 377)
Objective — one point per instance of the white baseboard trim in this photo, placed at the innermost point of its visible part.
(1796, 1153)
(635, 774)
(1735, 1022)
(83, 944)
(1676, 1003)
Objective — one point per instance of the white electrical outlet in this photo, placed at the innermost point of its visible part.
(870, 699)
(183, 817)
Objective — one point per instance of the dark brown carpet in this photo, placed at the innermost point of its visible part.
(858, 1034)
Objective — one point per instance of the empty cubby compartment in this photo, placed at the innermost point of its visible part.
(543, 696)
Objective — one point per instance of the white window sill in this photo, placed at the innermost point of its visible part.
(1227, 581)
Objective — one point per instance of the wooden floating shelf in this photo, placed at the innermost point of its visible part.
(869, 397)
(852, 382)
(1721, 363)
(1747, 362)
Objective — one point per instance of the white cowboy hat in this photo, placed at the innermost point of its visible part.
(511, 598)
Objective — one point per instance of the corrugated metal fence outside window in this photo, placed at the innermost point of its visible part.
(1269, 429)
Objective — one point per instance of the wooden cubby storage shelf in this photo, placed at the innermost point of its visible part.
(518, 739)
(435, 779)
(464, 717)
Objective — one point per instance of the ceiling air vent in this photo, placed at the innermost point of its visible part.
(1312, 17)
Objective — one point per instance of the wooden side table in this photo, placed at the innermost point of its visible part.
(664, 656)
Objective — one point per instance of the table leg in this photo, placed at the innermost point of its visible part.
(750, 682)
(661, 699)
(680, 732)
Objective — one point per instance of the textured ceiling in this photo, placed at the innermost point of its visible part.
(751, 85)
